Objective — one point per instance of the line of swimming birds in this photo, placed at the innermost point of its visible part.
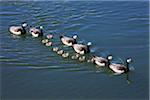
(80, 48)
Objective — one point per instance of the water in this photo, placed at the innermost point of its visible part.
(31, 71)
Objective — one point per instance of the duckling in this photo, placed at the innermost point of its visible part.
(120, 68)
(100, 61)
(55, 49)
(44, 41)
(18, 30)
(76, 56)
(65, 55)
(82, 58)
(36, 32)
(60, 52)
(48, 44)
(68, 40)
(49, 36)
(81, 48)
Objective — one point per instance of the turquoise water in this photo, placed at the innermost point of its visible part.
(31, 71)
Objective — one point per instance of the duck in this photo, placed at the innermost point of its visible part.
(44, 41)
(76, 56)
(65, 55)
(81, 48)
(101, 61)
(60, 52)
(18, 30)
(36, 32)
(48, 44)
(55, 49)
(82, 58)
(69, 41)
(49, 36)
(120, 68)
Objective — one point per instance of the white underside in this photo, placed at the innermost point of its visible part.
(14, 32)
(80, 52)
(60, 52)
(66, 43)
(114, 68)
(55, 49)
(34, 35)
(99, 63)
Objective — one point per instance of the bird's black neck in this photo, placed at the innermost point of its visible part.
(108, 63)
(23, 31)
(75, 41)
(127, 65)
(61, 36)
(88, 49)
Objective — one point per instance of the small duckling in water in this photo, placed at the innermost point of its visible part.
(55, 49)
(76, 56)
(65, 55)
(48, 44)
(60, 52)
(44, 41)
(82, 58)
(89, 61)
(49, 36)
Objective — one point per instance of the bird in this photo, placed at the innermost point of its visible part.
(36, 32)
(81, 48)
(82, 58)
(18, 30)
(55, 49)
(101, 61)
(48, 44)
(60, 52)
(44, 41)
(120, 68)
(65, 54)
(69, 41)
(75, 56)
(49, 36)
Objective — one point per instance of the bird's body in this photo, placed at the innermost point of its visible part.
(60, 52)
(48, 44)
(55, 49)
(100, 61)
(69, 41)
(81, 48)
(82, 58)
(18, 30)
(120, 68)
(65, 55)
(117, 68)
(76, 56)
(36, 32)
